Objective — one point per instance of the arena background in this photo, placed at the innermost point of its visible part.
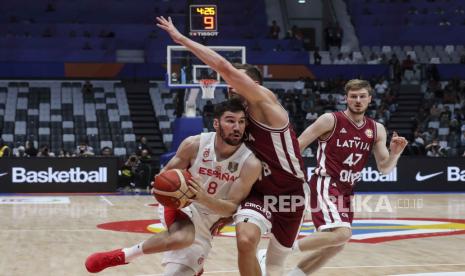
(91, 108)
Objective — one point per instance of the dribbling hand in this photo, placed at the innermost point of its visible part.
(168, 26)
(199, 193)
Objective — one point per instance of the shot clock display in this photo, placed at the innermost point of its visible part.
(203, 20)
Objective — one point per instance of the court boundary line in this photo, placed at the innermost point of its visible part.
(103, 198)
(328, 267)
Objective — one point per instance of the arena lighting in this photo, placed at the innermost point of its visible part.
(301, 1)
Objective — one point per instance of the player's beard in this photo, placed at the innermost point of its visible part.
(353, 111)
(228, 140)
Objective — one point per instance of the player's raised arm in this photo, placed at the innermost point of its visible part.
(187, 150)
(386, 159)
(250, 172)
(243, 84)
(323, 125)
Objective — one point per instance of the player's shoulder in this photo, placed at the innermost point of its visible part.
(252, 161)
(191, 142)
(327, 118)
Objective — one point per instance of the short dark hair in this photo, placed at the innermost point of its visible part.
(232, 105)
(252, 71)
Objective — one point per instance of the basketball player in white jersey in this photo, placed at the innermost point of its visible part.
(224, 169)
(271, 137)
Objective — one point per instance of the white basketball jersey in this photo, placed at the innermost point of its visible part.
(216, 176)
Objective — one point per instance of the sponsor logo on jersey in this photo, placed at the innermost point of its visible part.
(369, 133)
(368, 174)
(343, 130)
(217, 173)
(363, 230)
(249, 137)
(206, 153)
(353, 144)
(233, 166)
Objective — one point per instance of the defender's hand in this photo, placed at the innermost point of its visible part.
(398, 143)
(169, 27)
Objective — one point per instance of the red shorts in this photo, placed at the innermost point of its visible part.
(330, 207)
(285, 225)
(171, 215)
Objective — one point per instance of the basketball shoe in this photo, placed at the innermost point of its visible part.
(99, 261)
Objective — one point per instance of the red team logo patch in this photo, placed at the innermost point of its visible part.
(369, 133)
(206, 153)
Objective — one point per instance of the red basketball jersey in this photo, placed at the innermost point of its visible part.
(278, 149)
(346, 151)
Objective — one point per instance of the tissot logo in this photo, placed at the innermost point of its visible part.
(73, 175)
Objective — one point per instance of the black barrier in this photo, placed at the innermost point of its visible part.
(50, 175)
(411, 174)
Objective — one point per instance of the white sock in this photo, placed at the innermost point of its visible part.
(275, 257)
(131, 253)
(296, 272)
(295, 247)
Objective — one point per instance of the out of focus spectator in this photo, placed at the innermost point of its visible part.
(418, 144)
(4, 149)
(435, 150)
(106, 151)
(407, 64)
(44, 151)
(30, 148)
(84, 150)
(207, 114)
(317, 56)
(19, 151)
(142, 145)
(127, 178)
(274, 30)
(311, 116)
(395, 68)
(87, 87)
(64, 153)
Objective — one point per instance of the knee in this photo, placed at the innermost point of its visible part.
(247, 241)
(342, 236)
(180, 240)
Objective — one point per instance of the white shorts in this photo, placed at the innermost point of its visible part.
(194, 255)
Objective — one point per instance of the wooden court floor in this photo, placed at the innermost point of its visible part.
(52, 235)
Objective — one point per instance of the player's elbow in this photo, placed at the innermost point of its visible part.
(223, 67)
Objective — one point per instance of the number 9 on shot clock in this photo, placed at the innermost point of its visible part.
(203, 20)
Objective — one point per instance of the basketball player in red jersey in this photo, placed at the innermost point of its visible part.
(272, 139)
(345, 142)
(225, 170)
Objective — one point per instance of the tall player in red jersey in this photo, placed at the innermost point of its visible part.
(345, 142)
(272, 139)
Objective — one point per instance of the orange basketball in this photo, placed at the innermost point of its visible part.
(171, 188)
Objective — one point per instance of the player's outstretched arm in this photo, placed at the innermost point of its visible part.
(186, 152)
(323, 125)
(244, 85)
(386, 159)
(250, 172)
